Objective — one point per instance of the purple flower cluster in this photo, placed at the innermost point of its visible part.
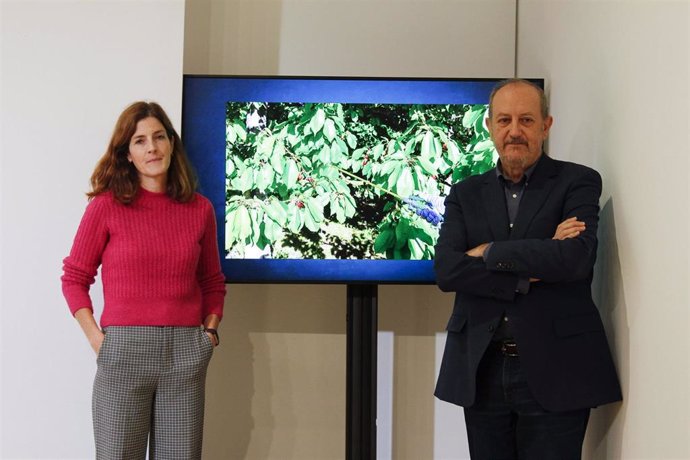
(424, 209)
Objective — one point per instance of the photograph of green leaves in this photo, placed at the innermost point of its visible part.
(345, 181)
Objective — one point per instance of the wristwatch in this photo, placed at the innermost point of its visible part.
(214, 333)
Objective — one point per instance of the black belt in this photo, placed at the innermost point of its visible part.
(506, 347)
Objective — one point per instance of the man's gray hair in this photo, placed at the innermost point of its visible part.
(512, 81)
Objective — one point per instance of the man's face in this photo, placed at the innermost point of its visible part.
(517, 126)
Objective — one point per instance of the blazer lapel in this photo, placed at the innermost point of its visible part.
(536, 192)
(495, 206)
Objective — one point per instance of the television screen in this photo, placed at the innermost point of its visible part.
(332, 180)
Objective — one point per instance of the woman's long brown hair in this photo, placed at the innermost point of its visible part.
(116, 174)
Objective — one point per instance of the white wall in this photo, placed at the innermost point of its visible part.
(619, 81)
(68, 70)
(395, 38)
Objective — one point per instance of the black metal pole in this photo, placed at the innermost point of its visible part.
(362, 328)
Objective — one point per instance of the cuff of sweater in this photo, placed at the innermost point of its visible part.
(214, 307)
(76, 309)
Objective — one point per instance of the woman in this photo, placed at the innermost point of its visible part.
(155, 239)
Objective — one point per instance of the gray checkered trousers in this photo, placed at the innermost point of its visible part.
(150, 387)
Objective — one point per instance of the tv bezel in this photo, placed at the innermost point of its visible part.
(203, 114)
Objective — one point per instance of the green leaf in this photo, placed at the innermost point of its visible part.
(349, 206)
(325, 154)
(453, 152)
(402, 231)
(310, 223)
(352, 140)
(315, 210)
(230, 227)
(428, 149)
(384, 240)
(271, 230)
(306, 164)
(337, 209)
(256, 216)
(471, 117)
(388, 166)
(242, 223)
(479, 123)
(229, 167)
(423, 234)
(241, 132)
(266, 145)
(416, 249)
(277, 157)
(290, 173)
(438, 148)
(294, 218)
(329, 130)
(265, 177)
(356, 166)
(336, 153)
(409, 147)
(428, 167)
(394, 175)
(276, 211)
(358, 154)
(420, 180)
(246, 180)
(342, 145)
(486, 144)
(317, 121)
(230, 133)
(377, 151)
(405, 183)
(392, 146)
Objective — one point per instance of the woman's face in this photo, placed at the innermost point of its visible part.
(150, 149)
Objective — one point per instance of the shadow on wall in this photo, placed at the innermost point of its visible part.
(230, 386)
(275, 378)
(276, 385)
(415, 315)
(221, 37)
(605, 430)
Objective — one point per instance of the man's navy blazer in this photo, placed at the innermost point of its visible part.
(563, 348)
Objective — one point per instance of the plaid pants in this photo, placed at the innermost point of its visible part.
(150, 387)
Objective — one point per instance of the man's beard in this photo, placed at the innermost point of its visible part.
(517, 159)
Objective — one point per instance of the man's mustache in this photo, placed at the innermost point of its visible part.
(517, 141)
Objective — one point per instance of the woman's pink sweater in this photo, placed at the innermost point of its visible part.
(159, 259)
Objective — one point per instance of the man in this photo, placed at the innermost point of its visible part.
(526, 353)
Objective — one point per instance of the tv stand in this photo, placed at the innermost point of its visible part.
(362, 329)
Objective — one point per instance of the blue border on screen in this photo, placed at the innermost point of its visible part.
(203, 131)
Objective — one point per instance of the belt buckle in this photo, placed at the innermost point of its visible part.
(509, 349)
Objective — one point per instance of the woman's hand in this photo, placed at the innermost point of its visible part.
(93, 333)
(97, 341)
(213, 339)
(211, 322)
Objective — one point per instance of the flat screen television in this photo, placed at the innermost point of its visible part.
(332, 180)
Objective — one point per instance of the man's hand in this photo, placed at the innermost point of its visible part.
(569, 228)
(478, 251)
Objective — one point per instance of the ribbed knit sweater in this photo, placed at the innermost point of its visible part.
(159, 261)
